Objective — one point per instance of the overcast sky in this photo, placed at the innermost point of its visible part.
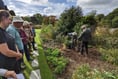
(56, 7)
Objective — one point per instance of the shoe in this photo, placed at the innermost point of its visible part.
(23, 66)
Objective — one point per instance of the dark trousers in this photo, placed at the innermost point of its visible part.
(20, 60)
(33, 44)
(84, 46)
(27, 53)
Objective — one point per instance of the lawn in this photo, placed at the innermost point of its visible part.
(44, 68)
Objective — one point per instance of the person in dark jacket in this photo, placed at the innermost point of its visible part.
(84, 37)
(8, 51)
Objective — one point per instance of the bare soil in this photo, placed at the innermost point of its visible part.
(76, 59)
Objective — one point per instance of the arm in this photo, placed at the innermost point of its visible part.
(7, 52)
(2, 72)
(81, 35)
(8, 74)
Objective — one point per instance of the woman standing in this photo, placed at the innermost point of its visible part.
(8, 52)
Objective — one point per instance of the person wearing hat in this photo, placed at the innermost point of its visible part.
(13, 30)
(33, 34)
(25, 39)
(29, 33)
(85, 37)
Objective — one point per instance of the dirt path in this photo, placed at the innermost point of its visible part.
(75, 59)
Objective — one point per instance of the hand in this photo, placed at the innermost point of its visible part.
(10, 74)
(19, 56)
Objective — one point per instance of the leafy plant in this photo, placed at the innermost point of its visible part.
(110, 55)
(56, 62)
(86, 72)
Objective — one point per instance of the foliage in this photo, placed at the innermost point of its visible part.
(68, 19)
(115, 22)
(77, 27)
(115, 33)
(99, 17)
(90, 20)
(105, 39)
(55, 60)
(105, 42)
(45, 20)
(85, 72)
(111, 17)
(110, 55)
(27, 18)
(48, 32)
(39, 18)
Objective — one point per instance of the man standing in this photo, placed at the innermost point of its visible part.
(13, 30)
(84, 37)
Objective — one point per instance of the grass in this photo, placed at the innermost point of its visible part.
(44, 68)
(28, 68)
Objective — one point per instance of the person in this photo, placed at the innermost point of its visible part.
(73, 39)
(25, 40)
(7, 74)
(8, 51)
(33, 34)
(28, 32)
(2, 6)
(85, 37)
(13, 30)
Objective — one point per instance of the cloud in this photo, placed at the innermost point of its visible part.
(25, 1)
(48, 10)
(55, 9)
(102, 6)
(44, 7)
(71, 0)
(39, 2)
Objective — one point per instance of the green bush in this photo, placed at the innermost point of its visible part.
(110, 55)
(105, 42)
(85, 72)
(56, 62)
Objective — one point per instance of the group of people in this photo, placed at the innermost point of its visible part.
(16, 38)
(81, 41)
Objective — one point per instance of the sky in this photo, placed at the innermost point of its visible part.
(56, 7)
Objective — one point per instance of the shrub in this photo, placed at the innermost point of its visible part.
(110, 55)
(56, 62)
(85, 72)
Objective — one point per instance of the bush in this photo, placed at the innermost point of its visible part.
(110, 55)
(105, 42)
(48, 32)
(56, 62)
(85, 72)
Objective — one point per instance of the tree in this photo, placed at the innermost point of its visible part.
(45, 20)
(111, 17)
(68, 19)
(115, 22)
(33, 20)
(39, 18)
(27, 18)
(93, 13)
(99, 17)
